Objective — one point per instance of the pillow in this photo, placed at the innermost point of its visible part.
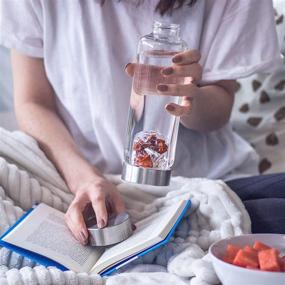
(259, 110)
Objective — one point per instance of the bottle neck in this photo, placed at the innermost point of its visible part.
(166, 31)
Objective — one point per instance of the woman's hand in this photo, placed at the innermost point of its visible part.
(203, 108)
(97, 192)
(185, 64)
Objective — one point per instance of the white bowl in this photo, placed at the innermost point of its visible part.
(234, 275)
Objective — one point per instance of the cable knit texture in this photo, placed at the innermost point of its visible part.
(28, 177)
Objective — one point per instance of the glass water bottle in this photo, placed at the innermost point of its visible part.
(152, 131)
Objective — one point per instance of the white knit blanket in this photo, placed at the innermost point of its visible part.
(28, 177)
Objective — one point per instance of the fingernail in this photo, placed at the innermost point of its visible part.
(101, 224)
(170, 108)
(167, 71)
(162, 87)
(126, 66)
(177, 59)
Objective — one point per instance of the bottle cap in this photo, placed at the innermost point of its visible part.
(119, 228)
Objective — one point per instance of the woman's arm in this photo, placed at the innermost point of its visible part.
(36, 115)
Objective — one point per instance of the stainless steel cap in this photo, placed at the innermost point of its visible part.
(118, 229)
(150, 176)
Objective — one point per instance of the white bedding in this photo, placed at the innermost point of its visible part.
(27, 177)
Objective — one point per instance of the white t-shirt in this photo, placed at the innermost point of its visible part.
(85, 47)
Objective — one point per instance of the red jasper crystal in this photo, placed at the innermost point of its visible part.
(143, 160)
(144, 146)
(138, 146)
(161, 146)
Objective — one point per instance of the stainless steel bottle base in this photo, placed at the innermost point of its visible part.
(149, 176)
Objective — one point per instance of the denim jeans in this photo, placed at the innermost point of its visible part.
(264, 199)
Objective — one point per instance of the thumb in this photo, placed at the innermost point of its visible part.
(76, 223)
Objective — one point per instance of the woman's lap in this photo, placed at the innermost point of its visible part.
(264, 199)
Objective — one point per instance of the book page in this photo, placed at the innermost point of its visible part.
(44, 231)
(149, 232)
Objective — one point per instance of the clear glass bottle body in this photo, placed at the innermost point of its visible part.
(152, 131)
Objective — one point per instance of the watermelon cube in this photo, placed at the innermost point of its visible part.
(269, 260)
(245, 258)
(260, 246)
(282, 264)
(231, 253)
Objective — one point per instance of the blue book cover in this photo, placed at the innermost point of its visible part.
(38, 258)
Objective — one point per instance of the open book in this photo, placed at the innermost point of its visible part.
(41, 235)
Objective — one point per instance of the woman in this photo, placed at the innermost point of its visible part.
(72, 95)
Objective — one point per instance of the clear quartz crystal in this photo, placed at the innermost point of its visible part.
(152, 131)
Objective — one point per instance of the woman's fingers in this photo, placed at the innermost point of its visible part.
(75, 222)
(187, 57)
(130, 69)
(98, 200)
(179, 110)
(193, 70)
(177, 89)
